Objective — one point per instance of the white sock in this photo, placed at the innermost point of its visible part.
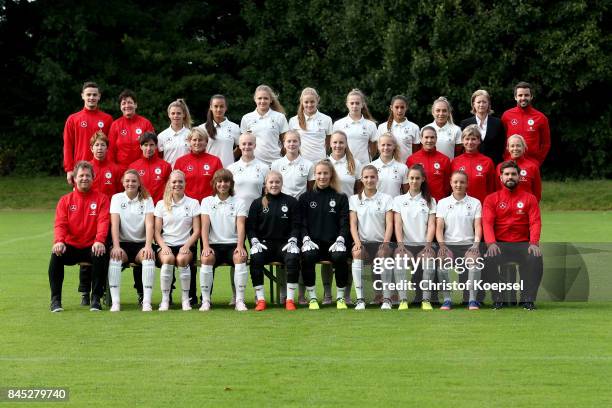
(386, 277)
(165, 281)
(444, 276)
(240, 281)
(339, 293)
(357, 268)
(291, 287)
(428, 275)
(114, 279)
(312, 293)
(185, 277)
(259, 292)
(473, 276)
(400, 278)
(206, 280)
(148, 279)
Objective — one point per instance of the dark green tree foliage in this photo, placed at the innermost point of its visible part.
(418, 48)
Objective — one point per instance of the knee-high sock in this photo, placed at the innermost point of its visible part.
(473, 276)
(312, 292)
(206, 280)
(291, 287)
(428, 275)
(260, 292)
(240, 281)
(114, 279)
(233, 279)
(165, 281)
(444, 276)
(148, 279)
(401, 279)
(357, 269)
(386, 276)
(185, 277)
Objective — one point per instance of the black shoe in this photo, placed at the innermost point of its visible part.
(194, 302)
(529, 306)
(56, 306)
(498, 305)
(85, 299)
(95, 304)
(140, 299)
(171, 302)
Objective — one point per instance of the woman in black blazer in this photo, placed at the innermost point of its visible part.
(491, 128)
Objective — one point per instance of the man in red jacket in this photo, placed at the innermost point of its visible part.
(80, 126)
(528, 122)
(81, 226)
(512, 225)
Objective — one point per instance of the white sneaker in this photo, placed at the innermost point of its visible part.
(360, 305)
(186, 305)
(205, 306)
(241, 307)
(233, 301)
(164, 306)
(386, 305)
(115, 307)
(146, 307)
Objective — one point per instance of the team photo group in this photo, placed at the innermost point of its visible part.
(297, 193)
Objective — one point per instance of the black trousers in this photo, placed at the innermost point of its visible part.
(274, 254)
(531, 269)
(338, 260)
(73, 256)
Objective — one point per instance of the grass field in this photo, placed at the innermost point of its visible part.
(559, 355)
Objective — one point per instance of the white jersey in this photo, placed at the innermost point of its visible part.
(223, 144)
(371, 213)
(415, 216)
(347, 180)
(267, 130)
(448, 137)
(406, 134)
(296, 175)
(178, 223)
(249, 179)
(173, 144)
(318, 127)
(459, 216)
(132, 214)
(223, 214)
(391, 176)
(359, 134)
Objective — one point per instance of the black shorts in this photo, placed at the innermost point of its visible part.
(131, 249)
(224, 253)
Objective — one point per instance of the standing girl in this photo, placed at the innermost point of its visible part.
(313, 126)
(405, 132)
(173, 141)
(267, 122)
(449, 134)
(359, 127)
(222, 133)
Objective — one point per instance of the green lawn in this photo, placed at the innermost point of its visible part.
(559, 355)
